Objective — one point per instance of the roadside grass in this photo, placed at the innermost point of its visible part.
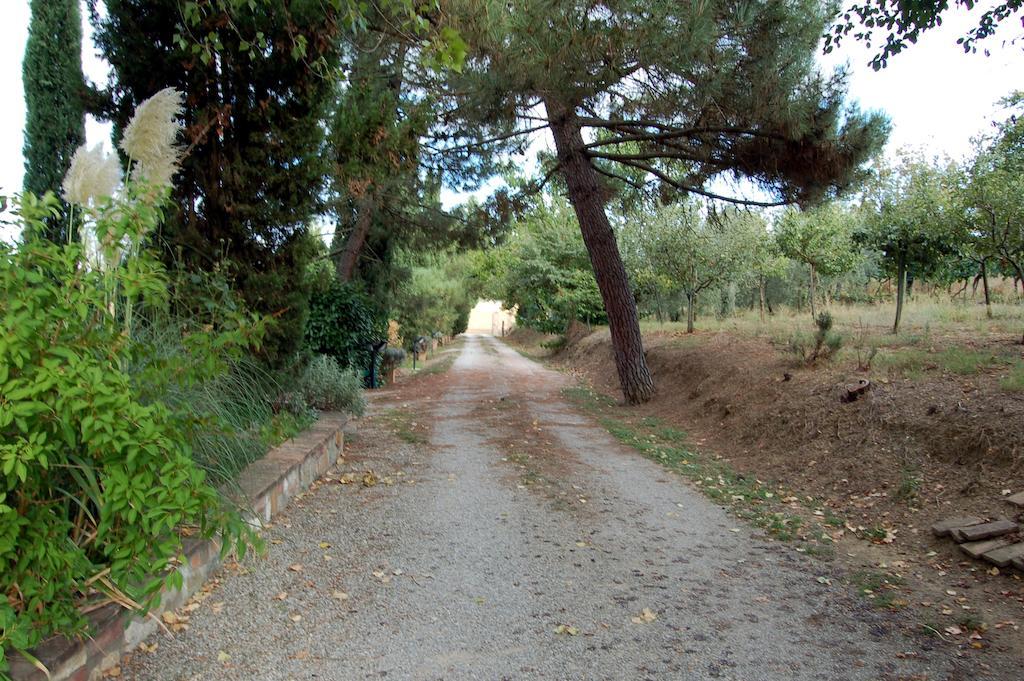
(881, 588)
(434, 365)
(803, 521)
(755, 501)
(403, 422)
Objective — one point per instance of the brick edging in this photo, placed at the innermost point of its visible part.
(268, 484)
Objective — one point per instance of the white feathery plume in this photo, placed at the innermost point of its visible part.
(151, 136)
(93, 175)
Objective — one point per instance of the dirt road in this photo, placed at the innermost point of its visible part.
(507, 536)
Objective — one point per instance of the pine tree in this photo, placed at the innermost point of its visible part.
(54, 88)
(682, 93)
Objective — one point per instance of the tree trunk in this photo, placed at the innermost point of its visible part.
(366, 207)
(812, 294)
(689, 312)
(984, 283)
(761, 296)
(587, 200)
(901, 282)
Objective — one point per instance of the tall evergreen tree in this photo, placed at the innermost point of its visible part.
(54, 88)
(254, 174)
(684, 93)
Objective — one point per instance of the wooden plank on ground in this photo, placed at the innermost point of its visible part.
(944, 527)
(1006, 555)
(984, 531)
(1016, 499)
(975, 549)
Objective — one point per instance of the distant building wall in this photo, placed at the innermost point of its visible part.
(489, 317)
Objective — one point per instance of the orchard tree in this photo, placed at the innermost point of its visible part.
(908, 221)
(544, 272)
(696, 253)
(680, 93)
(821, 239)
(54, 92)
(992, 195)
(765, 258)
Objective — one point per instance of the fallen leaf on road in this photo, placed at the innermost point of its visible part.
(295, 567)
(295, 618)
(566, 630)
(340, 595)
(281, 596)
(223, 657)
(646, 615)
(369, 479)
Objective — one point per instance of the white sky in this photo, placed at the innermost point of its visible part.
(937, 96)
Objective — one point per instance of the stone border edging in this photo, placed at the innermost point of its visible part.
(268, 483)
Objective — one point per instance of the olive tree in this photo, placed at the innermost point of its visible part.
(820, 238)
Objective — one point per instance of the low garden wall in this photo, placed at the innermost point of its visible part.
(267, 484)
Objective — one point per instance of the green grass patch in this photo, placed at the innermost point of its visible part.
(910, 485)
(880, 588)
(914, 362)
(1014, 380)
(748, 498)
(403, 423)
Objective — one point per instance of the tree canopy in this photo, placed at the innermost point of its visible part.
(682, 93)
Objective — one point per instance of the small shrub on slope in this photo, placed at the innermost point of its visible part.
(327, 386)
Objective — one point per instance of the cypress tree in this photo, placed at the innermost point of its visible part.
(254, 175)
(52, 74)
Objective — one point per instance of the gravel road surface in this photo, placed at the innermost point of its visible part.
(518, 540)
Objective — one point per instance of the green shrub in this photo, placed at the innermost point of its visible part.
(824, 344)
(327, 386)
(343, 322)
(97, 477)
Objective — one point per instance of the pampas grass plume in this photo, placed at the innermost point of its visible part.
(93, 175)
(151, 136)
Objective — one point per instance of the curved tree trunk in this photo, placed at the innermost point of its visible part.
(984, 282)
(586, 197)
(365, 209)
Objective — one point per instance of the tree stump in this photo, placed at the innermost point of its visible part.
(853, 391)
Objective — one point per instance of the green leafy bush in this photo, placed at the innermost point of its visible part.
(97, 477)
(327, 386)
(343, 322)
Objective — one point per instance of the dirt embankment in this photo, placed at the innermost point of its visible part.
(915, 449)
